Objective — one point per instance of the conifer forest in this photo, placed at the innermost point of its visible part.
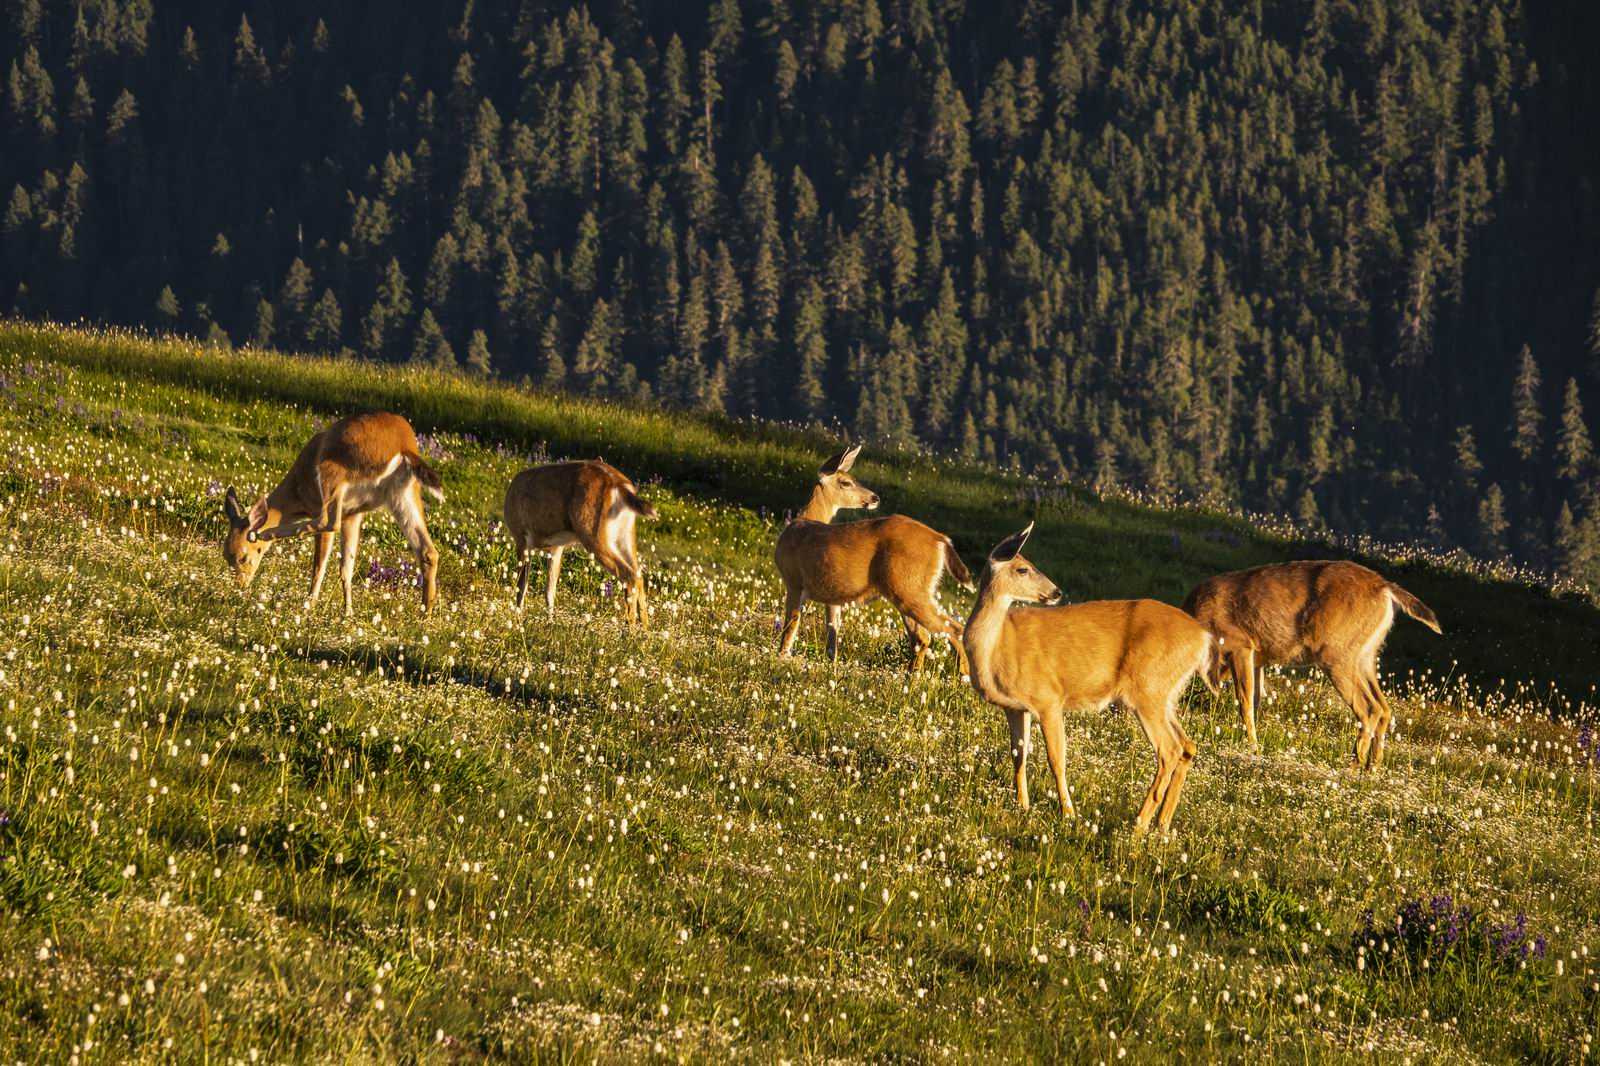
(1335, 259)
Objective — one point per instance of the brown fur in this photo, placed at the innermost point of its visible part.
(1046, 662)
(590, 504)
(896, 557)
(1333, 614)
(357, 465)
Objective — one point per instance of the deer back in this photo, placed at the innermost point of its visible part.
(851, 561)
(358, 450)
(575, 498)
(1287, 612)
(1083, 656)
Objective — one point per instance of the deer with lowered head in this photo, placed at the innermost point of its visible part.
(1039, 661)
(895, 557)
(357, 465)
(1333, 614)
(590, 504)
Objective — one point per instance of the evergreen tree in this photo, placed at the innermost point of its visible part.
(385, 320)
(1573, 449)
(167, 309)
(1492, 521)
(325, 325)
(478, 354)
(1525, 415)
(429, 347)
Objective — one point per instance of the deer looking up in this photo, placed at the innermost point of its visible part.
(1333, 614)
(357, 465)
(1045, 662)
(895, 557)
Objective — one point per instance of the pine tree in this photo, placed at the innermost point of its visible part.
(294, 302)
(1573, 449)
(167, 309)
(1525, 415)
(261, 332)
(1492, 521)
(385, 321)
(325, 325)
(478, 354)
(429, 347)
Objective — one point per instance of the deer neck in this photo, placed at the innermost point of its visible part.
(817, 508)
(985, 626)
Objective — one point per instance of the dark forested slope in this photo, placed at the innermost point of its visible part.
(1326, 257)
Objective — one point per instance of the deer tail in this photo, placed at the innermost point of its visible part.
(1414, 607)
(640, 507)
(427, 475)
(957, 568)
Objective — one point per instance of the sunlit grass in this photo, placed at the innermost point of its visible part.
(238, 823)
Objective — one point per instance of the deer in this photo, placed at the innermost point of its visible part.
(357, 465)
(1038, 661)
(1332, 614)
(895, 557)
(591, 504)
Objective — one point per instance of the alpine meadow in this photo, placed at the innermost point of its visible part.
(533, 532)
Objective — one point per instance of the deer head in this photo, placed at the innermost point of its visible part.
(241, 548)
(1015, 580)
(838, 489)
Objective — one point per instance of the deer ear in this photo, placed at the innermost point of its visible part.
(838, 462)
(258, 513)
(1007, 549)
(848, 460)
(230, 507)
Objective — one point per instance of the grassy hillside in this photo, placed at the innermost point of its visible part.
(237, 822)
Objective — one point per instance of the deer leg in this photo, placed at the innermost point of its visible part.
(957, 634)
(1241, 664)
(1384, 714)
(933, 620)
(332, 516)
(619, 568)
(1348, 682)
(524, 570)
(409, 516)
(920, 639)
(1019, 722)
(551, 579)
(1054, 728)
(641, 612)
(319, 564)
(796, 599)
(834, 613)
(1159, 733)
(1181, 771)
(349, 543)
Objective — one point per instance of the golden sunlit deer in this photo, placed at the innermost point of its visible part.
(1335, 615)
(590, 504)
(1044, 662)
(895, 557)
(357, 465)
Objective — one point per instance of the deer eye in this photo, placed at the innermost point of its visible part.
(1022, 571)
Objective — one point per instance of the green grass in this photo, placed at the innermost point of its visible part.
(237, 822)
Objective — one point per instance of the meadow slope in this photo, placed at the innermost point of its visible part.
(237, 825)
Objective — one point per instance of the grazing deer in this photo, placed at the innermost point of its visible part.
(1332, 614)
(591, 504)
(1042, 662)
(896, 557)
(358, 464)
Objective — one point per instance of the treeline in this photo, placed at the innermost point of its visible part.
(1276, 254)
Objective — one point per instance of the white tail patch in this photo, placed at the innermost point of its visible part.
(1374, 644)
(619, 527)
